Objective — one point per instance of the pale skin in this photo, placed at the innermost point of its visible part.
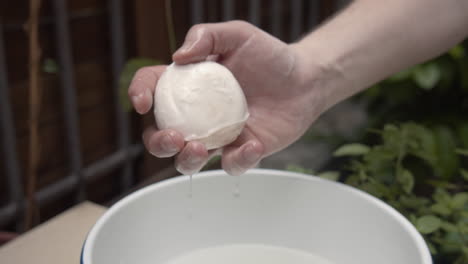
(288, 86)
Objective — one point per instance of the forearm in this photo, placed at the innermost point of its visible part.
(371, 40)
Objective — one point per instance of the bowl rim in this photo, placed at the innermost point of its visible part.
(88, 244)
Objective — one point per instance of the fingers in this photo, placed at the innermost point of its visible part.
(192, 158)
(167, 143)
(236, 160)
(142, 88)
(163, 143)
(213, 39)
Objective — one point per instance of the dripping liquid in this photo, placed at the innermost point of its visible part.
(236, 191)
(190, 187)
(189, 196)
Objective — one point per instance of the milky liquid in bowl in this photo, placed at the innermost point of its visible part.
(248, 254)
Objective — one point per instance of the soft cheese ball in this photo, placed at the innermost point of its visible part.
(203, 101)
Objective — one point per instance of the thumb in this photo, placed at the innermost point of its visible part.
(221, 39)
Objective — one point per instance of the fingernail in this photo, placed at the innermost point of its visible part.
(188, 171)
(190, 166)
(168, 144)
(236, 171)
(136, 99)
(185, 47)
(250, 154)
(195, 160)
(190, 42)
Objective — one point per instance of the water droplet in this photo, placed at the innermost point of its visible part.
(236, 191)
(190, 198)
(190, 187)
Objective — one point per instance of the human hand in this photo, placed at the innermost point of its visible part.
(282, 104)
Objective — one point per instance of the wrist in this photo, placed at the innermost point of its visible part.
(318, 74)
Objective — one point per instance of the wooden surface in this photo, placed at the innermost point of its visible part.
(57, 241)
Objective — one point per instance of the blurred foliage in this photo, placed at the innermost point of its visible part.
(299, 169)
(329, 175)
(421, 172)
(433, 92)
(418, 161)
(212, 162)
(129, 70)
(414, 155)
(49, 65)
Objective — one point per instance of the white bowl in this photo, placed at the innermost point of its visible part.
(277, 208)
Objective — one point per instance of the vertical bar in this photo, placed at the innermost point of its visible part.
(296, 19)
(342, 4)
(197, 11)
(313, 15)
(9, 139)
(67, 80)
(276, 18)
(254, 12)
(228, 10)
(7, 215)
(118, 61)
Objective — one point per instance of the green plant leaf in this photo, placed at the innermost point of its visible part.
(432, 248)
(464, 214)
(413, 201)
(442, 184)
(372, 93)
(442, 196)
(447, 159)
(465, 250)
(427, 75)
(463, 152)
(441, 209)
(50, 66)
(457, 52)
(211, 162)
(354, 149)
(464, 258)
(352, 180)
(428, 224)
(412, 218)
(392, 138)
(451, 242)
(464, 174)
(461, 260)
(449, 74)
(330, 175)
(299, 169)
(463, 226)
(402, 75)
(376, 189)
(129, 70)
(421, 142)
(449, 227)
(463, 68)
(462, 132)
(459, 200)
(406, 179)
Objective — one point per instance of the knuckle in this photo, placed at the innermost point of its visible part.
(137, 77)
(196, 28)
(142, 72)
(239, 23)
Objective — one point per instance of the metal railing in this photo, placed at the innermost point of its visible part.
(76, 180)
(126, 152)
